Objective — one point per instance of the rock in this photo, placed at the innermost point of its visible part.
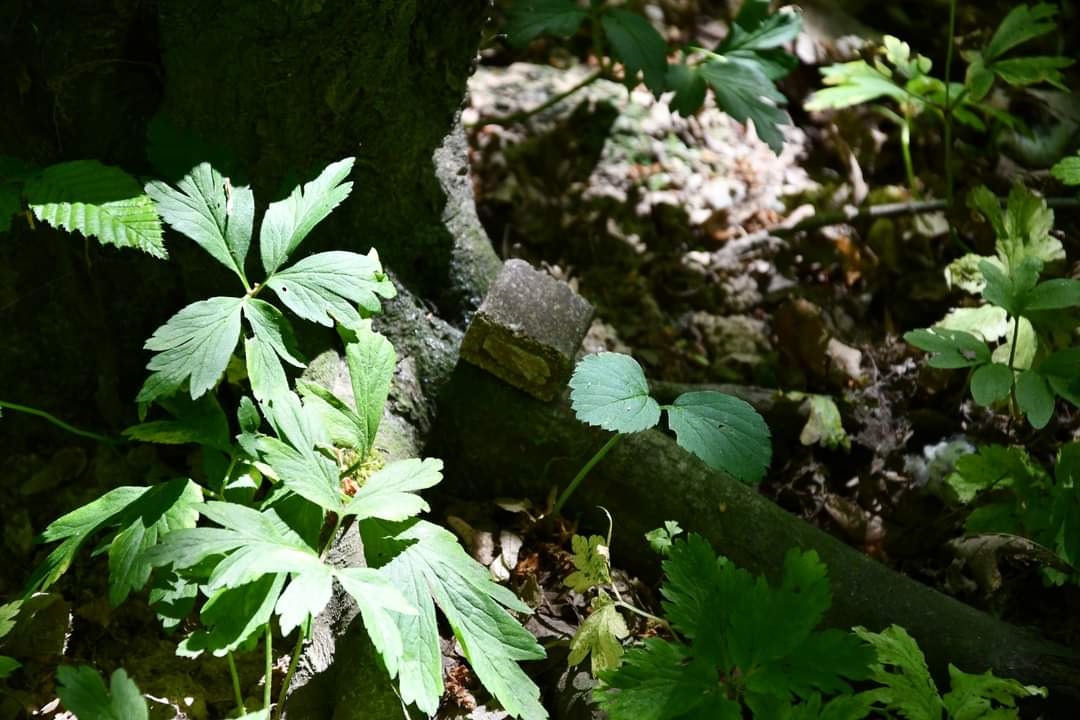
(528, 330)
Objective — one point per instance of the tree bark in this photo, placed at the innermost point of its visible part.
(500, 442)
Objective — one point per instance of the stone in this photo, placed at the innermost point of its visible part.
(528, 330)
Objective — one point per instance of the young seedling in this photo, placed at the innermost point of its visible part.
(609, 390)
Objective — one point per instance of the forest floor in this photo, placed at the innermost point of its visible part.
(656, 220)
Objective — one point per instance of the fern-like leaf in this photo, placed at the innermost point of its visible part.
(98, 201)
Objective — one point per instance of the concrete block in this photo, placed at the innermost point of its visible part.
(528, 330)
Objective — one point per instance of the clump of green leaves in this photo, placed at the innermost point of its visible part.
(739, 642)
(1021, 368)
(250, 543)
(898, 75)
(909, 691)
(1011, 493)
(99, 201)
(741, 70)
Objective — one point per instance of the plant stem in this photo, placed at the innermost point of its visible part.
(60, 423)
(239, 696)
(522, 115)
(288, 675)
(905, 148)
(1012, 358)
(269, 679)
(585, 471)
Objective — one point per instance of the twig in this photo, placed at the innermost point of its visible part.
(60, 423)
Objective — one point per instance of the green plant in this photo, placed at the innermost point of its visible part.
(741, 70)
(1023, 369)
(8, 613)
(737, 641)
(899, 75)
(609, 390)
(1012, 493)
(1067, 170)
(83, 692)
(909, 691)
(252, 538)
(96, 200)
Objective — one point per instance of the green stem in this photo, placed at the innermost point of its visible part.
(293, 661)
(268, 684)
(60, 423)
(1012, 369)
(659, 620)
(237, 694)
(905, 147)
(948, 107)
(585, 471)
(523, 115)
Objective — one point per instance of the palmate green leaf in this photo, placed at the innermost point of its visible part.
(592, 562)
(727, 433)
(426, 564)
(853, 83)
(745, 93)
(637, 45)
(755, 28)
(660, 680)
(975, 697)
(390, 493)
(598, 638)
(1067, 170)
(1021, 72)
(528, 19)
(84, 694)
(206, 208)
(265, 372)
(1062, 370)
(1025, 230)
(287, 222)
(234, 618)
(661, 538)
(326, 287)
(141, 515)
(271, 326)
(689, 87)
(1024, 22)
(901, 668)
(990, 383)
(307, 473)
(193, 346)
(949, 349)
(344, 427)
(99, 201)
(842, 707)
(609, 390)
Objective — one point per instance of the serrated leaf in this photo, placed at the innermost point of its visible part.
(1035, 398)
(853, 83)
(307, 473)
(661, 681)
(425, 563)
(901, 668)
(1021, 72)
(727, 433)
(207, 209)
(343, 426)
(273, 328)
(990, 383)
(326, 287)
(371, 360)
(689, 87)
(528, 19)
(1026, 231)
(234, 617)
(199, 421)
(1023, 23)
(756, 29)
(974, 697)
(150, 509)
(99, 201)
(287, 222)
(391, 493)
(163, 509)
(661, 538)
(84, 694)
(592, 561)
(609, 390)
(194, 345)
(1067, 170)
(745, 93)
(637, 45)
(597, 638)
(264, 370)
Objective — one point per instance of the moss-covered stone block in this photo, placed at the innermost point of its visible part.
(528, 330)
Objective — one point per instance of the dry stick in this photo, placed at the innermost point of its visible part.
(873, 212)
